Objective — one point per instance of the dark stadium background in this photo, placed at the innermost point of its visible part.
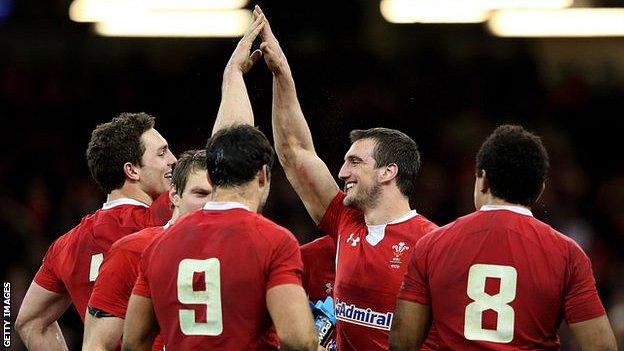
(447, 86)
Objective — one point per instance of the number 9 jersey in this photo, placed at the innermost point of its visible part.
(499, 279)
(208, 274)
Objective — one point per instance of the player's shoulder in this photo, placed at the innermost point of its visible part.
(137, 241)
(73, 236)
(424, 223)
(319, 243)
(266, 226)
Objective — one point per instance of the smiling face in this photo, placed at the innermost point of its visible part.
(360, 175)
(156, 164)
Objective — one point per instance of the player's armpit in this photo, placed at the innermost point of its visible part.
(410, 325)
(594, 334)
(37, 319)
(101, 332)
(140, 327)
(289, 309)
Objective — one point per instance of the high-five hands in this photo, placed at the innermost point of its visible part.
(241, 59)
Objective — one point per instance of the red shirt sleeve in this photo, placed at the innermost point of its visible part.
(581, 301)
(114, 284)
(141, 286)
(415, 287)
(46, 276)
(285, 266)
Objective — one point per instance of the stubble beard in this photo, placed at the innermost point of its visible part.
(366, 199)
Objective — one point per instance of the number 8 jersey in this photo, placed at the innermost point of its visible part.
(208, 274)
(499, 279)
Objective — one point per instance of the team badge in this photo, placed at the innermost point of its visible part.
(398, 251)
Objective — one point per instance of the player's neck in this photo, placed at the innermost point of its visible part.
(241, 194)
(130, 191)
(387, 209)
(175, 215)
(495, 201)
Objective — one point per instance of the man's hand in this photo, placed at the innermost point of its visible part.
(273, 53)
(241, 60)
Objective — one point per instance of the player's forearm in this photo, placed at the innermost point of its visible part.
(290, 129)
(38, 337)
(235, 107)
(137, 345)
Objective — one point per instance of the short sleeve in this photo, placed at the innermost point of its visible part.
(581, 300)
(114, 284)
(333, 214)
(46, 276)
(141, 286)
(285, 266)
(415, 287)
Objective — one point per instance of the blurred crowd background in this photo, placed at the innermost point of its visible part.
(446, 86)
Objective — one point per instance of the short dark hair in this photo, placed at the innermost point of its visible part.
(189, 161)
(393, 146)
(515, 163)
(113, 144)
(235, 154)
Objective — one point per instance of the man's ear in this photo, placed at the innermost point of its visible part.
(263, 176)
(485, 185)
(131, 171)
(174, 197)
(389, 172)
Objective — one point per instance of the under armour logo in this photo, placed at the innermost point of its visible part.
(353, 241)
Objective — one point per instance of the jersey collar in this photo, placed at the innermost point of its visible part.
(377, 232)
(224, 205)
(123, 201)
(517, 209)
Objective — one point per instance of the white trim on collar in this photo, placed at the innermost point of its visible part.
(168, 224)
(377, 232)
(224, 205)
(122, 201)
(411, 214)
(517, 209)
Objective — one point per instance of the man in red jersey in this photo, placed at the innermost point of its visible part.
(499, 279)
(221, 277)
(370, 220)
(319, 268)
(118, 273)
(132, 164)
(319, 272)
(114, 286)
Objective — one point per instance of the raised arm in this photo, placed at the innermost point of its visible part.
(37, 319)
(235, 107)
(307, 173)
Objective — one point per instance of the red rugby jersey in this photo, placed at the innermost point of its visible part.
(208, 276)
(371, 262)
(499, 279)
(72, 262)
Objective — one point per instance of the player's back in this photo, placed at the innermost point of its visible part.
(208, 276)
(72, 263)
(503, 280)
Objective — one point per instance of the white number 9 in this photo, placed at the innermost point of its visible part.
(211, 297)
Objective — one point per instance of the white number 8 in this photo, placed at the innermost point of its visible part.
(211, 297)
(483, 301)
